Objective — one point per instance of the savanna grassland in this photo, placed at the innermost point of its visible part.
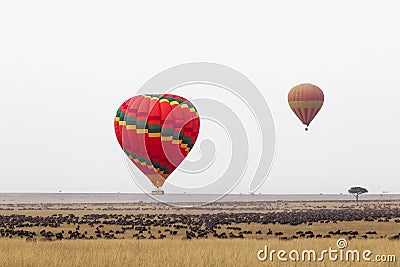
(219, 234)
(175, 252)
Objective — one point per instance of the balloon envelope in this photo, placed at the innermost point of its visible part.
(157, 132)
(306, 101)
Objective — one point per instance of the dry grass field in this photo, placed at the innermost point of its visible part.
(175, 252)
(107, 235)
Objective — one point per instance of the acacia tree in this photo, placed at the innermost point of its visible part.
(356, 191)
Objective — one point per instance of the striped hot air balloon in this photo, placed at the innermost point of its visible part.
(157, 132)
(306, 101)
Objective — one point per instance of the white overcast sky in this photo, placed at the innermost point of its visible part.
(65, 66)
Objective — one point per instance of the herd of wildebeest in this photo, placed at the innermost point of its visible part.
(221, 225)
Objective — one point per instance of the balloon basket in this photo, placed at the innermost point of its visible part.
(157, 191)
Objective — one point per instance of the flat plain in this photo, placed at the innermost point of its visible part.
(218, 234)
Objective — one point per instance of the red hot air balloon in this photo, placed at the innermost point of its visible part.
(157, 132)
(306, 101)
